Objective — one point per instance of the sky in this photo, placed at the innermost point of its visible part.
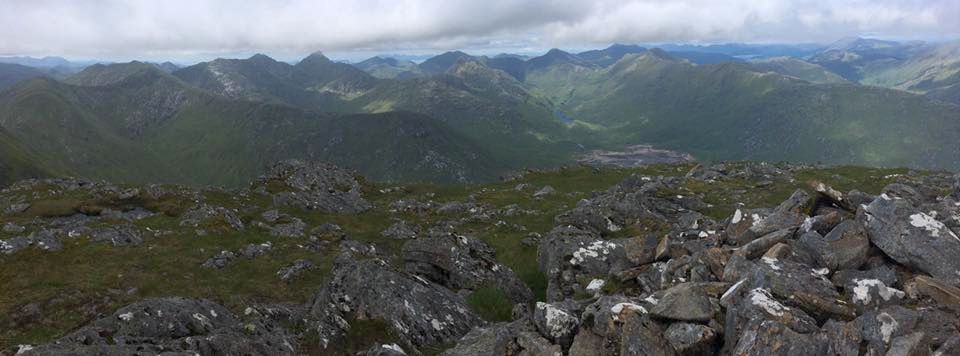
(191, 30)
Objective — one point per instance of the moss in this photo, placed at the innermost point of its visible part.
(491, 303)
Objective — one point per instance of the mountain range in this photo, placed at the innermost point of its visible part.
(462, 118)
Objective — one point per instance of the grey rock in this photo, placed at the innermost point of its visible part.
(866, 294)
(641, 336)
(492, 340)
(401, 230)
(17, 208)
(567, 252)
(386, 350)
(293, 228)
(944, 294)
(903, 192)
(783, 277)
(789, 214)
(691, 339)
(419, 312)
(255, 250)
(845, 247)
(534, 345)
(913, 344)
(271, 216)
(759, 246)
(294, 270)
(689, 302)
(221, 260)
(843, 339)
(316, 186)
(950, 347)
(211, 215)
(462, 262)
(118, 235)
(173, 326)
(545, 191)
(913, 238)
(556, 322)
(12, 228)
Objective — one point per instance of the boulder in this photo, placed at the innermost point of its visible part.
(556, 322)
(401, 230)
(689, 302)
(545, 191)
(691, 339)
(568, 254)
(462, 262)
(492, 340)
(294, 270)
(790, 213)
(845, 247)
(365, 286)
(913, 238)
(221, 260)
(944, 294)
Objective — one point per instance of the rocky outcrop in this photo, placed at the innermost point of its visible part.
(366, 287)
(173, 325)
(313, 185)
(462, 262)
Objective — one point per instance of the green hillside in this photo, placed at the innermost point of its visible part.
(150, 126)
(797, 68)
(728, 110)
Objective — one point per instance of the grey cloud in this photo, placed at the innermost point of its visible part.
(182, 27)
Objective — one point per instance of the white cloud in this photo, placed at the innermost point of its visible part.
(116, 28)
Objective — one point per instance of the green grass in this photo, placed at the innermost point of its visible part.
(491, 303)
(95, 277)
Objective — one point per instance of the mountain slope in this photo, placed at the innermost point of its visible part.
(11, 74)
(729, 110)
(854, 58)
(935, 72)
(443, 62)
(151, 126)
(798, 69)
(389, 68)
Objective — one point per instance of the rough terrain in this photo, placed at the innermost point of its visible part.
(683, 259)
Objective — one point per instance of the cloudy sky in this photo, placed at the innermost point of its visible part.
(199, 29)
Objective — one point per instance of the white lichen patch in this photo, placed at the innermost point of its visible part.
(737, 216)
(772, 262)
(619, 307)
(861, 292)
(650, 299)
(762, 298)
(558, 322)
(393, 347)
(595, 285)
(757, 220)
(597, 249)
(931, 225)
(437, 324)
(807, 224)
(887, 326)
(126, 316)
(23, 349)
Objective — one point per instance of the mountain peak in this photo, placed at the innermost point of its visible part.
(260, 57)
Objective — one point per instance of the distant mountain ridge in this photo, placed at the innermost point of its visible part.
(464, 118)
